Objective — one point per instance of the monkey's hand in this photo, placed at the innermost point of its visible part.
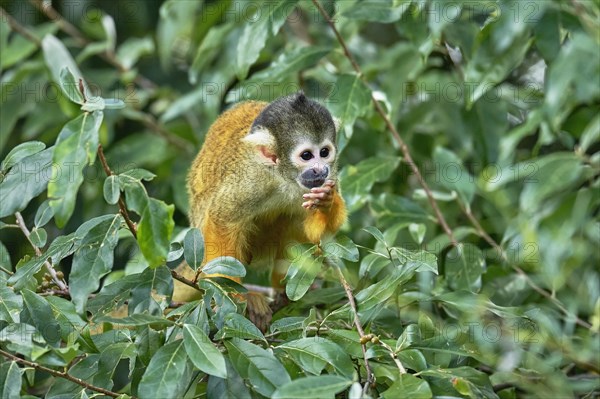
(320, 197)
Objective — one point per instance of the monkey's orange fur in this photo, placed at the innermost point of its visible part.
(223, 184)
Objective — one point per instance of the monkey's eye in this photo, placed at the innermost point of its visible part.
(324, 152)
(306, 155)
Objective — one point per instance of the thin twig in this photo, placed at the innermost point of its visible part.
(361, 332)
(58, 281)
(60, 374)
(403, 147)
(122, 205)
(483, 234)
(151, 123)
(17, 27)
(6, 271)
(184, 280)
(394, 357)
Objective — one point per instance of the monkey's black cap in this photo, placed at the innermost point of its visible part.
(296, 116)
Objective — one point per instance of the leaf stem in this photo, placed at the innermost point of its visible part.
(58, 281)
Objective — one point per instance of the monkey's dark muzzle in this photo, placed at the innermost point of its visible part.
(314, 177)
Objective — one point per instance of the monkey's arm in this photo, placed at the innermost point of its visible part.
(326, 212)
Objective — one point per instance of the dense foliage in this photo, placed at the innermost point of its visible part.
(470, 163)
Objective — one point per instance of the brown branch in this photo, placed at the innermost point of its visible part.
(122, 205)
(58, 281)
(184, 280)
(483, 234)
(71, 30)
(396, 136)
(361, 332)
(151, 123)
(60, 374)
(17, 27)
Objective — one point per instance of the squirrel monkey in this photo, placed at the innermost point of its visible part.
(265, 178)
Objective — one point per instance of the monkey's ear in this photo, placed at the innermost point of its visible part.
(264, 142)
(337, 122)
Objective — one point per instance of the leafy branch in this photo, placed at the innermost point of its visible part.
(60, 283)
(60, 374)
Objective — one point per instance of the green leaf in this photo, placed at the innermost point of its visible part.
(238, 326)
(225, 388)
(193, 251)
(94, 259)
(109, 360)
(168, 374)
(135, 193)
(464, 266)
(21, 152)
(70, 86)
(175, 24)
(552, 174)
(137, 288)
(57, 58)
(357, 180)
(349, 101)
(343, 247)
(408, 386)
(257, 365)
(43, 214)
(372, 264)
(380, 11)
(75, 147)
(25, 181)
(417, 232)
(263, 24)
(202, 351)
(154, 231)
(38, 237)
(85, 370)
(60, 248)
(490, 65)
(301, 273)
(225, 265)
(11, 305)
(422, 260)
(42, 316)
(111, 189)
(394, 209)
(453, 175)
(10, 380)
(211, 46)
(322, 387)
(138, 319)
(287, 64)
(132, 49)
(315, 353)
